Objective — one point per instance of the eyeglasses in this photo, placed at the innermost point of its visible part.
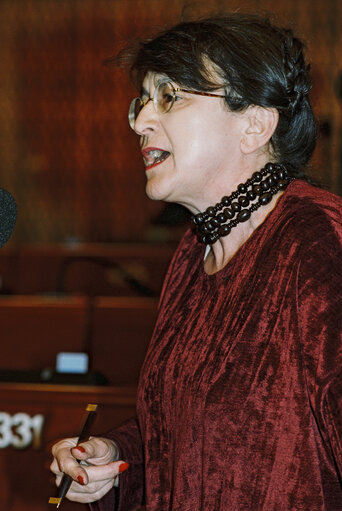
(163, 99)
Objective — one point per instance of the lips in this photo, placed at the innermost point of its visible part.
(154, 156)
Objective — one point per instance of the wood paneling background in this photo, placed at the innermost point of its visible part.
(67, 153)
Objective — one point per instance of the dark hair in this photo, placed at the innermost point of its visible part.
(258, 64)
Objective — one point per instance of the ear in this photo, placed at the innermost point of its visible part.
(261, 124)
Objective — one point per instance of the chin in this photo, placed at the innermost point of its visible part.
(155, 191)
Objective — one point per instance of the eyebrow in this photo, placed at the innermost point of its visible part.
(160, 78)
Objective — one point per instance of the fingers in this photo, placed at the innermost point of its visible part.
(64, 461)
(70, 467)
(78, 493)
(105, 472)
(96, 451)
(100, 479)
(96, 473)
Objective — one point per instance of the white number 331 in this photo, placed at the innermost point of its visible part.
(20, 430)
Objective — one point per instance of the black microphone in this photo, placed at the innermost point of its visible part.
(8, 216)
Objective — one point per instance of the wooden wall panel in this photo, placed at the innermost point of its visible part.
(113, 331)
(35, 329)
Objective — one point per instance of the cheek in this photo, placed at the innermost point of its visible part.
(191, 156)
(203, 139)
(192, 143)
(203, 149)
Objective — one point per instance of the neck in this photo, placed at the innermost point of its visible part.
(224, 249)
(240, 212)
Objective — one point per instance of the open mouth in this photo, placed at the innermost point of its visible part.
(154, 157)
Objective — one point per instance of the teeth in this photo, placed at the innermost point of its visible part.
(155, 153)
(155, 156)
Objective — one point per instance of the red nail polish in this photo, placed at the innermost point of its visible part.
(123, 467)
(80, 479)
(80, 448)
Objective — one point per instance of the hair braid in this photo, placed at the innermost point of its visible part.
(298, 83)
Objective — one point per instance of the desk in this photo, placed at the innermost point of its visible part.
(48, 413)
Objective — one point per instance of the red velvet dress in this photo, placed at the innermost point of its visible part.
(240, 396)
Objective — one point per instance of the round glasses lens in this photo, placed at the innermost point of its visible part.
(134, 110)
(164, 97)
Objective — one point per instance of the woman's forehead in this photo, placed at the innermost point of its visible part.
(152, 80)
(212, 72)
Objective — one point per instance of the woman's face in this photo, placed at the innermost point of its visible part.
(201, 140)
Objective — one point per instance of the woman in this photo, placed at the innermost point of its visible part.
(239, 397)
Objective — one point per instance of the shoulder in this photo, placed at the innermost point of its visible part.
(304, 235)
(314, 209)
(303, 229)
(311, 220)
(316, 225)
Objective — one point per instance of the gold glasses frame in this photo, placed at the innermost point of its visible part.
(137, 104)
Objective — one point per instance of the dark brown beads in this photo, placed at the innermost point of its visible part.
(270, 167)
(242, 188)
(257, 177)
(209, 226)
(224, 230)
(228, 213)
(281, 173)
(212, 238)
(243, 201)
(235, 206)
(210, 211)
(244, 215)
(270, 181)
(283, 184)
(257, 191)
(198, 219)
(222, 218)
(265, 198)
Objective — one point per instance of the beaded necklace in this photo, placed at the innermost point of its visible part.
(217, 221)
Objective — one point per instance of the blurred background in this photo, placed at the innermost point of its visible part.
(84, 267)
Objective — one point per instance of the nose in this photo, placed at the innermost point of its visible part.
(147, 119)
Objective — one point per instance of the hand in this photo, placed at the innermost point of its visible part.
(96, 474)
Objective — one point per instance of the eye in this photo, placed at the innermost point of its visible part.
(167, 98)
(164, 96)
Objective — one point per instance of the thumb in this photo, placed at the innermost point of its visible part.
(96, 450)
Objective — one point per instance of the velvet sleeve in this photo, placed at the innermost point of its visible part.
(130, 495)
(320, 321)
